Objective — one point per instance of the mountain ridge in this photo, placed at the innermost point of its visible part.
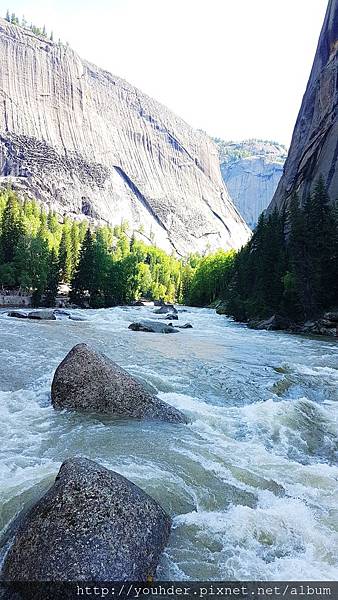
(251, 170)
(89, 144)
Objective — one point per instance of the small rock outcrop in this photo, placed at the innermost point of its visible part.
(90, 381)
(166, 308)
(38, 315)
(326, 325)
(153, 326)
(314, 146)
(172, 317)
(274, 323)
(91, 525)
(42, 315)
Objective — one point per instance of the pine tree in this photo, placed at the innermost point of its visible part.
(39, 265)
(82, 282)
(12, 228)
(65, 254)
(53, 279)
(8, 17)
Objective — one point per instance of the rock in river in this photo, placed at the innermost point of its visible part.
(166, 308)
(17, 315)
(91, 525)
(42, 315)
(153, 326)
(90, 381)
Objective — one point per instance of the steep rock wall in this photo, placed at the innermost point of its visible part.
(251, 170)
(314, 147)
(86, 142)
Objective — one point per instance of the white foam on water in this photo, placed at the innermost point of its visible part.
(251, 482)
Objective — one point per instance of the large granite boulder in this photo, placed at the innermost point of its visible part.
(91, 525)
(153, 326)
(90, 381)
(17, 314)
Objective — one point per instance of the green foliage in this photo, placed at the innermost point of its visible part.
(104, 267)
(40, 31)
(210, 278)
(290, 266)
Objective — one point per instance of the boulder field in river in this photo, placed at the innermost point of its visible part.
(91, 525)
(88, 144)
(87, 380)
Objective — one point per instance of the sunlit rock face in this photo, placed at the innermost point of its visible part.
(88, 143)
(314, 147)
(251, 170)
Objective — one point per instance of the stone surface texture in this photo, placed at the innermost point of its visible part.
(90, 381)
(314, 147)
(251, 170)
(150, 326)
(88, 143)
(91, 525)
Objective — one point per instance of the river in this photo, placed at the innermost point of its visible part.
(251, 482)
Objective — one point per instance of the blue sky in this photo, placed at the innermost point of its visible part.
(235, 68)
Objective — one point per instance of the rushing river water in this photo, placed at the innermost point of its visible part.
(251, 482)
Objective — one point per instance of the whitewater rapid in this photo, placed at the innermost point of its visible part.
(251, 482)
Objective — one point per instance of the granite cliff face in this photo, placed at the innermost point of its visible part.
(86, 142)
(314, 147)
(251, 170)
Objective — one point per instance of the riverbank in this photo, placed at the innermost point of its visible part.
(325, 325)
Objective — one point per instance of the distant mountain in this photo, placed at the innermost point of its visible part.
(89, 144)
(314, 146)
(251, 170)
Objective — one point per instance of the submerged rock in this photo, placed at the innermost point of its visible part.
(42, 315)
(91, 525)
(185, 326)
(153, 326)
(90, 381)
(17, 315)
(172, 317)
(61, 312)
(77, 318)
(166, 308)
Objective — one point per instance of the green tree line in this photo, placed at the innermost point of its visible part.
(103, 266)
(289, 267)
(41, 31)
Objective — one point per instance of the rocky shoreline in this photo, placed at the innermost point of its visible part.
(324, 325)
